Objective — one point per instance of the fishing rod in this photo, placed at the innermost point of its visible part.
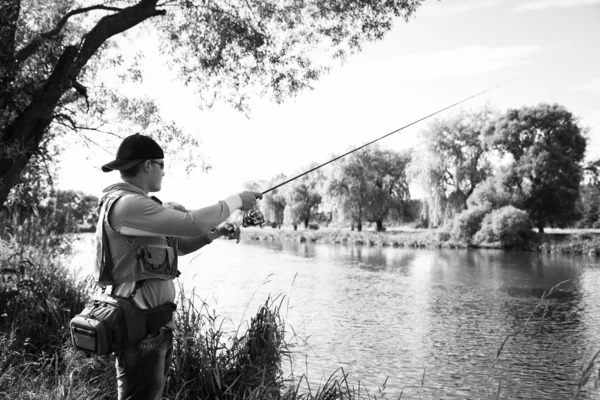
(386, 135)
(254, 217)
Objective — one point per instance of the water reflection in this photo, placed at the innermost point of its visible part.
(408, 314)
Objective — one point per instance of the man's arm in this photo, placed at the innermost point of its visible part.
(137, 215)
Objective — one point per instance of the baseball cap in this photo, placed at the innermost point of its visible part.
(133, 150)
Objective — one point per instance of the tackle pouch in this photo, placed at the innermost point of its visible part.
(112, 324)
(157, 259)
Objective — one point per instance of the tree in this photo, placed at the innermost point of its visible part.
(453, 161)
(302, 197)
(370, 185)
(66, 209)
(547, 148)
(274, 202)
(348, 185)
(496, 191)
(50, 51)
(387, 185)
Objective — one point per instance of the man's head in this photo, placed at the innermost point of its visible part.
(140, 161)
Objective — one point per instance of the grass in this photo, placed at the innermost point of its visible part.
(411, 239)
(555, 241)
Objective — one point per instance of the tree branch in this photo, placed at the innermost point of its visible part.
(82, 90)
(112, 25)
(27, 51)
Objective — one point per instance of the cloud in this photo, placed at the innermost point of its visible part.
(461, 62)
(593, 86)
(544, 4)
(436, 9)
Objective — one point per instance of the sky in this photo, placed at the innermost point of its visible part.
(547, 50)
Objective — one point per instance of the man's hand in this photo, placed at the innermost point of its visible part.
(249, 199)
(230, 231)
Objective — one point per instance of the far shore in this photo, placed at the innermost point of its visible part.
(577, 241)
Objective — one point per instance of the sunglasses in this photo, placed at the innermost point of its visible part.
(161, 163)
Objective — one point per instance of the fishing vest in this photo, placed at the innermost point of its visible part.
(122, 258)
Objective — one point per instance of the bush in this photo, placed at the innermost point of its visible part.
(508, 226)
(466, 224)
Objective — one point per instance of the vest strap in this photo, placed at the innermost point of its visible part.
(107, 259)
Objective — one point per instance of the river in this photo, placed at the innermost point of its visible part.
(431, 322)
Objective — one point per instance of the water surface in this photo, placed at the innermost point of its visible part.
(430, 321)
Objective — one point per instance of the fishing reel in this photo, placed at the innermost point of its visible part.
(253, 217)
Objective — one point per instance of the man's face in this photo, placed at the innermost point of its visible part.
(157, 171)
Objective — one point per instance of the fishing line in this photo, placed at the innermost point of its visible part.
(384, 136)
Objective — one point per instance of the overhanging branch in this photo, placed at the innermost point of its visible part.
(114, 24)
(27, 51)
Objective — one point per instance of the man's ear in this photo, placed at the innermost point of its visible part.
(146, 166)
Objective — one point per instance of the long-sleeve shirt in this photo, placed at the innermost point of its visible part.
(137, 214)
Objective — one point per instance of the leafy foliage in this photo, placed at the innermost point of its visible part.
(274, 202)
(37, 295)
(453, 161)
(370, 186)
(508, 226)
(348, 185)
(494, 192)
(387, 189)
(52, 53)
(547, 147)
(466, 224)
(302, 197)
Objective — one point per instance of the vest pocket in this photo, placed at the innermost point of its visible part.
(156, 258)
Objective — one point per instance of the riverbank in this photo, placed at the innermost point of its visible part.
(569, 241)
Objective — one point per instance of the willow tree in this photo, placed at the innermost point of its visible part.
(348, 186)
(50, 51)
(370, 186)
(453, 161)
(302, 198)
(274, 202)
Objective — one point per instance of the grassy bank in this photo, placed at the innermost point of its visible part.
(555, 241)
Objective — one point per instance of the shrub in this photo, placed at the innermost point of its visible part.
(466, 224)
(508, 226)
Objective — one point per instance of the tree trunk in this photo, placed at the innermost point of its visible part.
(379, 225)
(359, 226)
(295, 227)
(305, 223)
(21, 138)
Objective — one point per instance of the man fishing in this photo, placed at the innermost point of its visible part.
(137, 244)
